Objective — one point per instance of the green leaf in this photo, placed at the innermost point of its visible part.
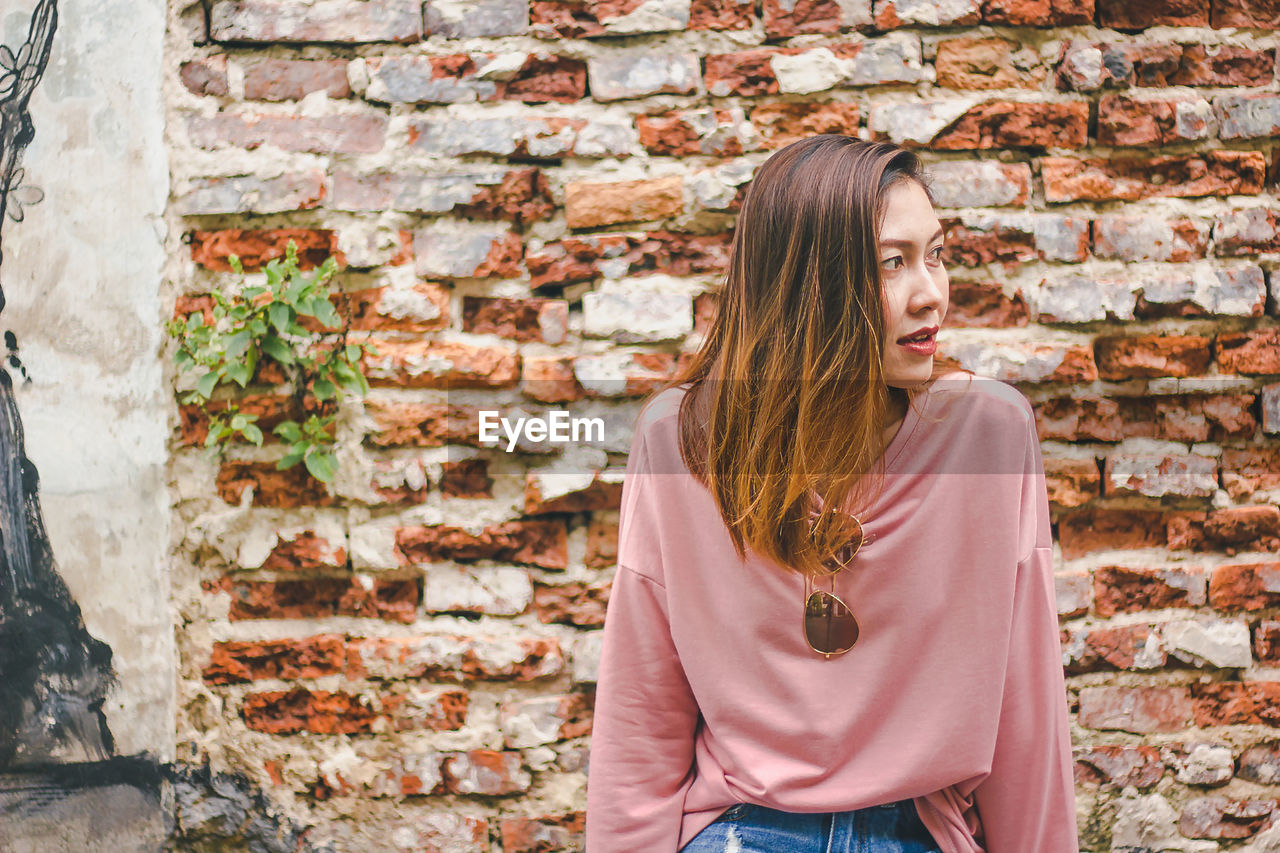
(278, 349)
(288, 461)
(252, 433)
(289, 431)
(353, 352)
(239, 373)
(239, 421)
(237, 345)
(322, 465)
(280, 314)
(324, 389)
(204, 387)
(326, 313)
(236, 266)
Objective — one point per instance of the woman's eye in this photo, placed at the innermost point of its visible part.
(937, 253)
(894, 260)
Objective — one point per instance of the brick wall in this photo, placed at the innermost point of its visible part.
(532, 200)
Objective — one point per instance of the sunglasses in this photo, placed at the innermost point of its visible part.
(829, 625)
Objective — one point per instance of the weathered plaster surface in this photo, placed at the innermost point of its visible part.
(82, 274)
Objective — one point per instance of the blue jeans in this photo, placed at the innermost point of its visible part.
(745, 828)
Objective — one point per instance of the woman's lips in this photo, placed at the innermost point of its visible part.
(927, 346)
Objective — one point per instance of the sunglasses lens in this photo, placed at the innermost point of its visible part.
(829, 626)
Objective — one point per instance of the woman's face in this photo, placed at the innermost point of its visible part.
(915, 284)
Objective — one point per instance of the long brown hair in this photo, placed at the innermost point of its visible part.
(788, 397)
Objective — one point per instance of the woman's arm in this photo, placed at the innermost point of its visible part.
(641, 761)
(1028, 801)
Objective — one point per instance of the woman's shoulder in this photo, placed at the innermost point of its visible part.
(975, 395)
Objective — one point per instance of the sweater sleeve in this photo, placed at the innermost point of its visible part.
(645, 718)
(1027, 802)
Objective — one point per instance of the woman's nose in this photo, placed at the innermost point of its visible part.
(928, 291)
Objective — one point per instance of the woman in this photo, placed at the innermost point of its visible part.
(833, 624)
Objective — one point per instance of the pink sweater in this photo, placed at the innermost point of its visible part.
(953, 695)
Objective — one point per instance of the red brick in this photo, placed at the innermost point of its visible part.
(1115, 648)
(293, 487)
(404, 424)
(1224, 817)
(1171, 64)
(1252, 352)
(205, 76)
(1014, 124)
(1229, 703)
(781, 123)
(1117, 765)
(455, 658)
(580, 604)
(422, 308)
(1245, 586)
(718, 132)
(1251, 14)
(975, 304)
(271, 409)
(1120, 589)
(544, 834)
(441, 364)
(486, 772)
(1126, 357)
(1133, 238)
(1124, 120)
(1088, 530)
(580, 258)
(466, 478)
(213, 249)
(1182, 417)
(602, 540)
(1130, 15)
(294, 79)
(1072, 482)
(1209, 173)
(746, 73)
(1037, 13)
(575, 18)
(337, 712)
(391, 600)
(331, 134)
(322, 712)
(1250, 469)
(1248, 231)
(590, 205)
(1266, 644)
(983, 63)
(1247, 528)
(305, 552)
(542, 543)
(1140, 710)
(801, 16)
(721, 14)
(598, 494)
(524, 320)
(550, 379)
(544, 79)
(309, 657)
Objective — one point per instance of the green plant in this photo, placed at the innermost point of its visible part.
(292, 321)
